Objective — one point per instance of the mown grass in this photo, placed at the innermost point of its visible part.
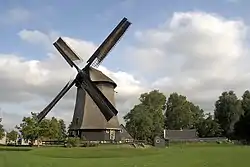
(190, 155)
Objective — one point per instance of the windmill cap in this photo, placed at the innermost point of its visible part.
(98, 76)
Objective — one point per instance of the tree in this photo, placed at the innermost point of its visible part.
(47, 129)
(146, 120)
(227, 112)
(69, 127)
(139, 122)
(246, 102)
(44, 129)
(196, 114)
(1, 130)
(242, 127)
(12, 136)
(62, 130)
(29, 128)
(207, 127)
(54, 129)
(181, 113)
(155, 104)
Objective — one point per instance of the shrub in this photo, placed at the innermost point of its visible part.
(219, 142)
(90, 144)
(73, 142)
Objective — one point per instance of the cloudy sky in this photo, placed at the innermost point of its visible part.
(198, 48)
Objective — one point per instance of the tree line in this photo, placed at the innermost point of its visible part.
(155, 112)
(30, 130)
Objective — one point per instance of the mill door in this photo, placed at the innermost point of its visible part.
(112, 135)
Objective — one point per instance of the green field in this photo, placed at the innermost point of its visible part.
(175, 156)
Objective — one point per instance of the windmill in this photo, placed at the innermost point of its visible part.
(87, 80)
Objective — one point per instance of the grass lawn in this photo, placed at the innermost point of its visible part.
(176, 156)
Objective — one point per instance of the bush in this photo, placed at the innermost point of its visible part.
(90, 144)
(73, 142)
(11, 144)
(77, 142)
(219, 142)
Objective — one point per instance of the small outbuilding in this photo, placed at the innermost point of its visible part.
(125, 136)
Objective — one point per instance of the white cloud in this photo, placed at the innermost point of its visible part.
(197, 54)
(197, 39)
(35, 37)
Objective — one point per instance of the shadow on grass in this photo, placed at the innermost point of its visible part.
(14, 149)
(94, 153)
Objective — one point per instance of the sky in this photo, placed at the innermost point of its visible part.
(197, 48)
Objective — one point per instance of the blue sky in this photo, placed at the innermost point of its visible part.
(93, 20)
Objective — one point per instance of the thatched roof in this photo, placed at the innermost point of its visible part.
(98, 76)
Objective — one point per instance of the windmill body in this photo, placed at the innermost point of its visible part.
(95, 115)
(88, 122)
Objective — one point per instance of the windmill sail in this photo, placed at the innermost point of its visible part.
(67, 53)
(47, 109)
(108, 43)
